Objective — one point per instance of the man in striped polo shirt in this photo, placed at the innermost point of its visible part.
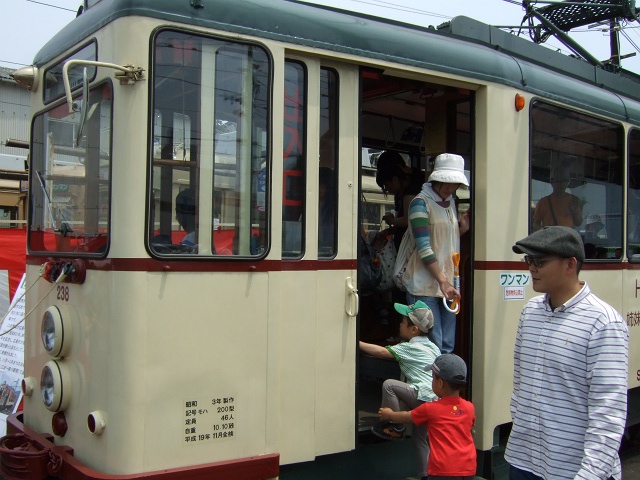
(571, 358)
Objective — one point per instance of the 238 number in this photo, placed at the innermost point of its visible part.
(63, 293)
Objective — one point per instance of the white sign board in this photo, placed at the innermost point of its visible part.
(4, 292)
(513, 284)
(12, 357)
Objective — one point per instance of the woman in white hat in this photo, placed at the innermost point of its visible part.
(434, 223)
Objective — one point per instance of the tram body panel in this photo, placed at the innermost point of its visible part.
(210, 348)
(204, 348)
(495, 321)
(630, 311)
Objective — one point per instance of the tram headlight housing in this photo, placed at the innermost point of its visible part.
(55, 386)
(55, 337)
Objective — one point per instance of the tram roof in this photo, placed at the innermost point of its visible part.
(463, 47)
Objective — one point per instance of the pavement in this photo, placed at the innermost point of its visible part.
(631, 463)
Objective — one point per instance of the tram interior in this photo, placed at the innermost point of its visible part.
(420, 120)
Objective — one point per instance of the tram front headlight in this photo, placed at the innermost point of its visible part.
(54, 386)
(55, 337)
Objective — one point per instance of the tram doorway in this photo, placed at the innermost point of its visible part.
(418, 119)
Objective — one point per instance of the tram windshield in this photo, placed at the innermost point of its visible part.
(70, 187)
(209, 168)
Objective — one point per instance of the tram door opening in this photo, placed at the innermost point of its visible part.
(419, 120)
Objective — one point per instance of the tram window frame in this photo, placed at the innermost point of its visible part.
(329, 163)
(587, 153)
(76, 222)
(294, 155)
(53, 81)
(240, 165)
(633, 195)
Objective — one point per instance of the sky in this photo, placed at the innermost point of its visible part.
(28, 24)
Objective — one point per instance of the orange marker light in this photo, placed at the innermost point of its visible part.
(520, 102)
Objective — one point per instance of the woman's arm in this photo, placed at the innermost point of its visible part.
(419, 223)
(538, 214)
(464, 223)
(576, 210)
(401, 222)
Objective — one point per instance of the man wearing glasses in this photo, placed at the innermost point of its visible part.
(571, 358)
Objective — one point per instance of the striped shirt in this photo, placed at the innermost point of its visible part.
(434, 225)
(569, 399)
(413, 356)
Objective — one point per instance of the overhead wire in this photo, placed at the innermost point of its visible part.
(44, 4)
(52, 6)
(404, 8)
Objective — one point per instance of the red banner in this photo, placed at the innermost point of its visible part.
(13, 255)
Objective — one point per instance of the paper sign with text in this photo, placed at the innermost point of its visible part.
(12, 357)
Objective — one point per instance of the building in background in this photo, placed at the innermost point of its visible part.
(14, 130)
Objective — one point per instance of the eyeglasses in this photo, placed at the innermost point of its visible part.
(537, 262)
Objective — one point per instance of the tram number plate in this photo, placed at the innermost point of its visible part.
(63, 293)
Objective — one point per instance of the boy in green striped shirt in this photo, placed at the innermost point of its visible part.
(412, 355)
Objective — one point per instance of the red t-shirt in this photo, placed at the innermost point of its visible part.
(449, 421)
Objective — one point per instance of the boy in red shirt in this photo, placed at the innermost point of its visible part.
(449, 420)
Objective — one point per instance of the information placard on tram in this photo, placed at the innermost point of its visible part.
(513, 285)
(209, 419)
(12, 357)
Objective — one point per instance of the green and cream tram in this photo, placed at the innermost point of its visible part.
(234, 355)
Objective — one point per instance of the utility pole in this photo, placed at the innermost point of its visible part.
(614, 42)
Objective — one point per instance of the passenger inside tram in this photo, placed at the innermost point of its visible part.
(326, 211)
(560, 207)
(394, 176)
(186, 216)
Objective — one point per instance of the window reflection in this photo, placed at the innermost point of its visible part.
(576, 177)
(633, 197)
(209, 153)
(70, 189)
(328, 173)
(294, 174)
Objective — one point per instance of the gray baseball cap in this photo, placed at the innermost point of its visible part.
(419, 313)
(450, 367)
(564, 242)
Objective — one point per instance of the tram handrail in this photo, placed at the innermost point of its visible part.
(129, 76)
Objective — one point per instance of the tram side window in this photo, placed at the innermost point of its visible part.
(576, 177)
(328, 173)
(208, 193)
(70, 188)
(293, 157)
(54, 83)
(633, 197)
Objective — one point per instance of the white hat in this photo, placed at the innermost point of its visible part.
(449, 168)
(594, 219)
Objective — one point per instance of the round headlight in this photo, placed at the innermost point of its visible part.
(54, 386)
(55, 337)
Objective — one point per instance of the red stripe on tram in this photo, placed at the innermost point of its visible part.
(186, 265)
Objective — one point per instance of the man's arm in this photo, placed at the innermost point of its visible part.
(607, 369)
(516, 369)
